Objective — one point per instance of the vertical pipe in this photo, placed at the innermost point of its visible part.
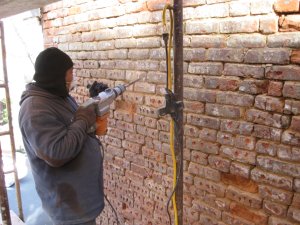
(11, 131)
(5, 213)
(178, 90)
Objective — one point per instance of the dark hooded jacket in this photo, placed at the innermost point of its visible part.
(66, 162)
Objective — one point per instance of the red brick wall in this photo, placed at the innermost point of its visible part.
(242, 106)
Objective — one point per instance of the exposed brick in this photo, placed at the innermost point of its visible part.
(266, 132)
(275, 88)
(245, 25)
(284, 6)
(225, 55)
(208, 41)
(295, 124)
(289, 73)
(213, 69)
(279, 221)
(294, 213)
(292, 107)
(296, 200)
(224, 84)
(245, 142)
(264, 55)
(199, 157)
(236, 127)
(239, 99)
(225, 111)
(279, 181)
(291, 89)
(246, 41)
(207, 209)
(297, 185)
(240, 169)
(242, 70)
(232, 219)
(212, 11)
(274, 208)
(203, 146)
(219, 163)
(203, 121)
(265, 118)
(202, 27)
(254, 86)
(238, 154)
(242, 183)
(212, 187)
(289, 40)
(239, 8)
(244, 198)
(288, 153)
(290, 137)
(295, 57)
(289, 23)
(268, 25)
(251, 215)
(258, 7)
(199, 95)
(276, 195)
(266, 147)
(204, 219)
(278, 166)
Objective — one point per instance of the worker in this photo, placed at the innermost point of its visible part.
(66, 160)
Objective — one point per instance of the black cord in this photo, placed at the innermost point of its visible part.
(174, 189)
(105, 196)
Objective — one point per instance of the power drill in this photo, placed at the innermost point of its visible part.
(105, 98)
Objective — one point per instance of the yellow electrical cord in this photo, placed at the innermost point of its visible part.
(169, 86)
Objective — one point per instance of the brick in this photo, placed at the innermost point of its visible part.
(274, 208)
(279, 221)
(291, 89)
(199, 157)
(207, 209)
(153, 154)
(136, 138)
(225, 138)
(238, 154)
(214, 69)
(239, 99)
(246, 41)
(239, 8)
(219, 163)
(278, 166)
(246, 71)
(258, 7)
(208, 41)
(217, 189)
(199, 95)
(292, 107)
(152, 100)
(113, 141)
(147, 111)
(239, 169)
(193, 81)
(211, 11)
(275, 195)
(225, 55)
(224, 84)
(203, 146)
(195, 54)
(286, 73)
(297, 185)
(264, 55)
(296, 200)
(268, 25)
(295, 124)
(208, 134)
(244, 198)
(147, 65)
(203, 121)
(193, 2)
(225, 111)
(294, 213)
(289, 23)
(279, 181)
(275, 88)
(288, 153)
(131, 146)
(245, 142)
(238, 25)
(291, 138)
(163, 125)
(202, 27)
(204, 219)
(235, 220)
(266, 147)
(283, 6)
(251, 215)
(236, 127)
(254, 86)
(266, 132)
(265, 118)
(289, 40)
(295, 57)
(125, 126)
(269, 103)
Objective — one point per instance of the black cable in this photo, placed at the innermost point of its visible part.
(174, 189)
(105, 196)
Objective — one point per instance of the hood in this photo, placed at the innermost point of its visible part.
(33, 90)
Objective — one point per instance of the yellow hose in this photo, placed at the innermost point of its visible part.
(169, 86)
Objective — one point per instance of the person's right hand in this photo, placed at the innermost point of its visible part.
(87, 114)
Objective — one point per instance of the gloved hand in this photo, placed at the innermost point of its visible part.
(87, 114)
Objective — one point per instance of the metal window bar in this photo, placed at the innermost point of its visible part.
(12, 142)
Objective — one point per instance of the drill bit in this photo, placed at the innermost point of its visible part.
(132, 82)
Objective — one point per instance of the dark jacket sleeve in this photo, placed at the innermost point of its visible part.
(51, 137)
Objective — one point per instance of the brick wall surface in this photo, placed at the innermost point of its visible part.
(242, 106)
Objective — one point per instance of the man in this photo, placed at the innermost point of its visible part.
(65, 159)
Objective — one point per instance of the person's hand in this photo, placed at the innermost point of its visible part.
(87, 114)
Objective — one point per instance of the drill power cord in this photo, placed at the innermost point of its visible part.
(168, 47)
